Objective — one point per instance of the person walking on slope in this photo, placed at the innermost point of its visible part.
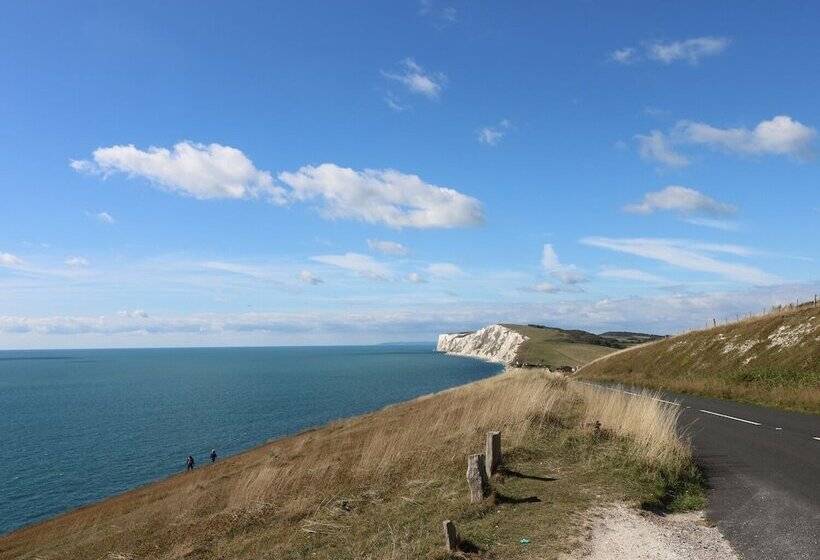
(189, 464)
(213, 455)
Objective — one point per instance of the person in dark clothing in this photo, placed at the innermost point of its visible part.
(189, 464)
(213, 455)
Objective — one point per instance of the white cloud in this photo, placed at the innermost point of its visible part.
(383, 196)
(76, 262)
(543, 288)
(492, 135)
(201, 171)
(417, 80)
(443, 15)
(308, 277)
(632, 274)
(689, 50)
(680, 199)
(415, 278)
(7, 259)
(395, 103)
(626, 55)
(688, 255)
(133, 314)
(444, 270)
(363, 265)
(387, 247)
(566, 273)
(104, 217)
(780, 135)
(725, 225)
(655, 146)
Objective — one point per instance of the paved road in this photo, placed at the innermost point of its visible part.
(764, 475)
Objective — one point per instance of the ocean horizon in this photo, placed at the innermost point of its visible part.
(81, 425)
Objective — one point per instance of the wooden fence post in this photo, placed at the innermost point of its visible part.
(492, 453)
(476, 477)
(450, 536)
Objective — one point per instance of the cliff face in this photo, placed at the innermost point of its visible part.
(494, 343)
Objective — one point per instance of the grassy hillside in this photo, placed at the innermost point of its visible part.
(379, 486)
(554, 348)
(771, 360)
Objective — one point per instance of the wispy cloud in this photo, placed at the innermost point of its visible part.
(444, 270)
(9, 260)
(492, 135)
(667, 52)
(443, 15)
(632, 274)
(415, 278)
(724, 225)
(307, 277)
(679, 199)
(688, 255)
(656, 146)
(567, 274)
(387, 247)
(76, 262)
(104, 217)
(417, 80)
(363, 265)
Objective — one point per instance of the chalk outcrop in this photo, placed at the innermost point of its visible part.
(495, 343)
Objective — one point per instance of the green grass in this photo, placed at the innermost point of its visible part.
(554, 348)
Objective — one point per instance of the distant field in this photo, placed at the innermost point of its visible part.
(554, 348)
(771, 360)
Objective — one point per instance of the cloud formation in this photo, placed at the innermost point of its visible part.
(7, 259)
(680, 199)
(363, 265)
(382, 196)
(104, 217)
(201, 171)
(779, 136)
(656, 146)
(308, 277)
(688, 255)
(444, 270)
(76, 262)
(632, 274)
(567, 274)
(492, 135)
(666, 52)
(417, 80)
(387, 247)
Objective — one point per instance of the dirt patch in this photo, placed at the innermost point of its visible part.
(617, 531)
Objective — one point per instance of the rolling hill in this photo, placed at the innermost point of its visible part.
(771, 360)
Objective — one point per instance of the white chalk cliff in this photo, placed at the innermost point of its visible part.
(495, 343)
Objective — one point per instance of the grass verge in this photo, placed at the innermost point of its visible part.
(379, 485)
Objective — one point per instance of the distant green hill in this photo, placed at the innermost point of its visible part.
(559, 348)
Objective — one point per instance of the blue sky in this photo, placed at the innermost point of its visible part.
(321, 173)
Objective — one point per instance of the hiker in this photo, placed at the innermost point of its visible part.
(189, 464)
(213, 455)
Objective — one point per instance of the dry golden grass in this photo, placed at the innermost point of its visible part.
(378, 486)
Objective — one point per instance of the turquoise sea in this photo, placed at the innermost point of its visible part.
(80, 425)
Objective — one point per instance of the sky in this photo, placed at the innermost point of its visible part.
(242, 173)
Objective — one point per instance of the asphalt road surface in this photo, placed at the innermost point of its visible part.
(763, 467)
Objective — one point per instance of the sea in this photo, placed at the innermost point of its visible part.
(77, 426)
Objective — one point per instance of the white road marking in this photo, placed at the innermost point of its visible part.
(817, 438)
(778, 428)
(729, 417)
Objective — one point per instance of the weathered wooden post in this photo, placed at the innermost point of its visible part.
(476, 477)
(450, 536)
(492, 452)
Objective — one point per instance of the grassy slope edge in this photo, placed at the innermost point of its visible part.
(773, 360)
(379, 485)
(554, 348)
